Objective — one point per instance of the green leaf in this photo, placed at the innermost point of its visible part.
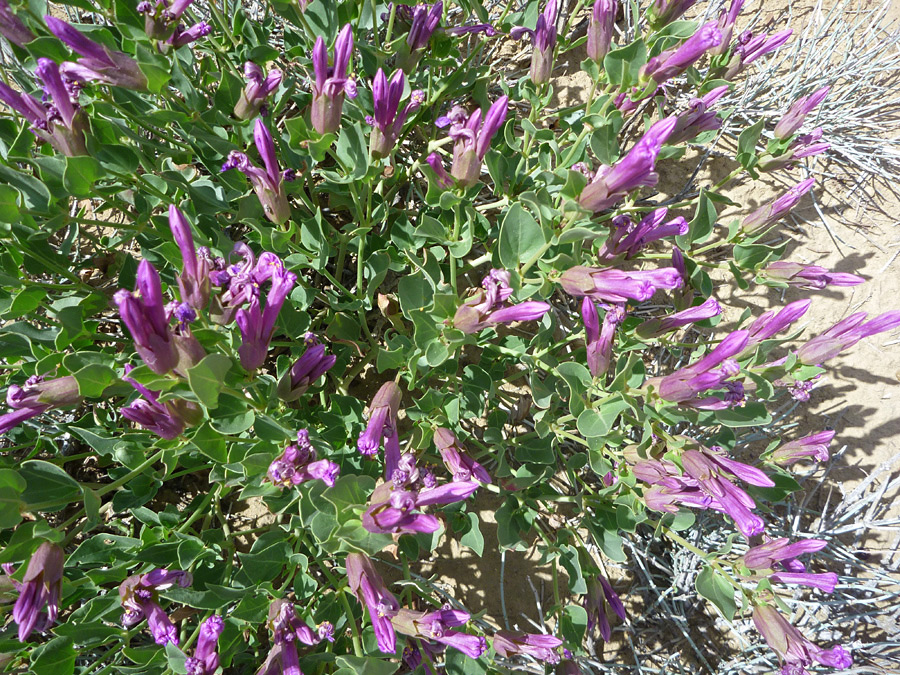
(747, 141)
(473, 538)
(595, 422)
(359, 665)
(80, 174)
(715, 588)
(749, 415)
(702, 225)
(568, 558)
(176, 659)
(521, 237)
(207, 378)
(623, 65)
(57, 657)
(93, 379)
(233, 415)
(48, 487)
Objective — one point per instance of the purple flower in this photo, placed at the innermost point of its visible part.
(773, 321)
(383, 424)
(388, 120)
(40, 589)
(36, 397)
(297, 464)
(458, 463)
(793, 649)
(331, 84)
(139, 595)
(489, 306)
(258, 88)
(369, 589)
(12, 28)
(194, 278)
(780, 551)
(844, 334)
(814, 445)
(663, 12)
(268, 184)
(656, 327)
(611, 184)
(436, 626)
(627, 239)
(600, 28)
(425, 21)
(182, 37)
(542, 647)
(599, 600)
(287, 630)
(793, 119)
(674, 62)
(726, 26)
(777, 209)
(306, 370)
(749, 48)
(205, 660)
(698, 118)
(809, 277)
(543, 39)
(167, 419)
(802, 146)
(472, 139)
(97, 63)
(258, 325)
(599, 340)
(143, 312)
(612, 285)
(161, 17)
(710, 372)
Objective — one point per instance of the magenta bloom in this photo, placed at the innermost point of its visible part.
(542, 647)
(657, 327)
(627, 239)
(36, 397)
(489, 306)
(844, 334)
(726, 26)
(674, 62)
(182, 36)
(663, 12)
(331, 84)
(815, 446)
(205, 660)
(306, 370)
(600, 28)
(750, 47)
(258, 88)
(436, 626)
(698, 118)
(368, 587)
(166, 419)
(388, 120)
(268, 184)
(425, 21)
(777, 209)
(543, 39)
(12, 28)
(611, 185)
(143, 312)
(287, 630)
(258, 325)
(298, 464)
(458, 463)
(809, 277)
(599, 600)
(194, 278)
(472, 139)
(139, 595)
(39, 590)
(793, 649)
(161, 18)
(383, 425)
(793, 119)
(599, 340)
(97, 63)
(613, 285)
(780, 551)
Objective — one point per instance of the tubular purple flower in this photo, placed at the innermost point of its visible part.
(472, 139)
(825, 581)
(613, 285)
(36, 397)
(793, 119)
(306, 370)
(726, 26)
(674, 62)
(40, 589)
(139, 596)
(814, 445)
(656, 327)
(161, 17)
(749, 48)
(663, 12)
(434, 626)
(766, 556)
(268, 184)
(257, 326)
(726, 497)
(627, 239)
(773, 322)
(425, 21)
(97, 63)
(456, 459)
(12, 28)
(383, 424)
(205, 660)
(698, 118)
(489, 305)
(599, 340)
(331, 84)
(793, 649)
(298, 464)
(809, 277)
(448, 493)
(143, 312)
(182, 37)
(194, 278)
(542, 647)
(600, 29)
(543, 39)
(387, 122)
(166, 419)
(258, 88)
(369, 589)
(709, 372)
(599, 600)
(844, 334)
(611, 184)
(777, 209)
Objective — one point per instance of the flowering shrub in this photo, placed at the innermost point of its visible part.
(411, 239)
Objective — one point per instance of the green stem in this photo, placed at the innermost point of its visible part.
(131, 475)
